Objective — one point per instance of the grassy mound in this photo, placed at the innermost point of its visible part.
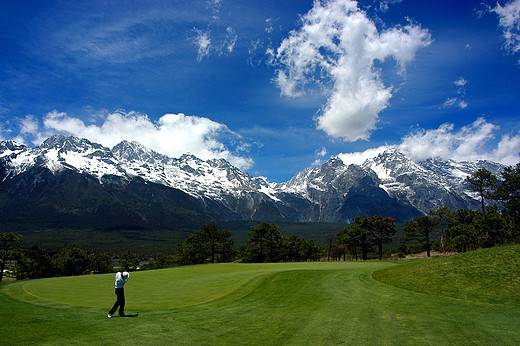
(489, 275)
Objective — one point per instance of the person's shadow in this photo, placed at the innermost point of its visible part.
(134, 315)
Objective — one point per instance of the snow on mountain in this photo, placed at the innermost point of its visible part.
(202, 179)
(10, 147)
(383, 178)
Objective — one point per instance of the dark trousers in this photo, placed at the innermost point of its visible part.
(120, 302)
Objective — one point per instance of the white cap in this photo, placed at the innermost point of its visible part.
(126, 274)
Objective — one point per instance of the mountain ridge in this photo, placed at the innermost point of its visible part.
(390, 182)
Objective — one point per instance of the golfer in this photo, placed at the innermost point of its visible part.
(121, 279)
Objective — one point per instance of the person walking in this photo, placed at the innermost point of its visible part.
(121, 279)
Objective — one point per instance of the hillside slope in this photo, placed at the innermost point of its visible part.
(488, 275)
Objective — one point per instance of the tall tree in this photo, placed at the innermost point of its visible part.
(444, 214)
(35, 263)
(129, 260)
(490, 228)
(9, 248)
(330, 242)
(358, 235)
(206, 245)
(460, 233)
(72, 260)
(421, 229)
(383, 229)
(192, 250)
(509, 192)
(218, 241)
(348, 238)
(102, 263)
(264, 243)
(484, 182)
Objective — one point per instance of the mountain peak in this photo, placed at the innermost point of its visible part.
(69, 143)
(135, 151)
(189, 157)
(9, 147)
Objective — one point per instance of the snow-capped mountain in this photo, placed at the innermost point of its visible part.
(389, 183)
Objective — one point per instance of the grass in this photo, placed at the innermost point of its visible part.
(319, 303)
(489, 275)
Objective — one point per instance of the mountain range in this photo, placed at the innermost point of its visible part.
(68, 180)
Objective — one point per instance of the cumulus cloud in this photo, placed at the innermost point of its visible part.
(509, 22)
(172, 134)
(336, 47)
(357, 158)
(472, 142)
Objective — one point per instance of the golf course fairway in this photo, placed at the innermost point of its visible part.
(318, 303)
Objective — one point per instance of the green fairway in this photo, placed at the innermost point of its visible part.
(320, 303)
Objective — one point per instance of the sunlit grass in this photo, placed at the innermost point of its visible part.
(489, 275)
(269, 304)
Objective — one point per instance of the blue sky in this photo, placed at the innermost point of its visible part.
(272, 86)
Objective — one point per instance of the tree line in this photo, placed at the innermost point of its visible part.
(210, 244)
(265, 243)
(35, 262)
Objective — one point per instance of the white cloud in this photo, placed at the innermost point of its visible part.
(358, 158)
(172, 134)
(455, 101)
(450, 101)
(509, 21)
(472, 142)
(217, 37)
(459, 101)
(231, 39)
(269, 28)
(469, 143)
(319, 154)
(224, 42)
(460, 82)
(29, 125)
(203, 43)
(507, 150)
(338, 44)
(384, 5)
